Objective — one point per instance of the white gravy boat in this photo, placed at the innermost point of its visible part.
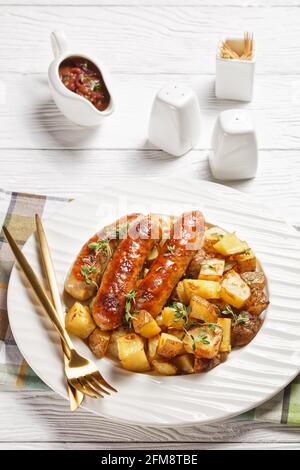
(75, 107)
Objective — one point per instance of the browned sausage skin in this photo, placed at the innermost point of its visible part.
(122, 273)
(171, 264)
(85, 274)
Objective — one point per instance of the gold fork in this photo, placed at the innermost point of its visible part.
(75, 397)
(82, 373)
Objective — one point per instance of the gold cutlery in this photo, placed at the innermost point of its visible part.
(75, 397)
(81, 373)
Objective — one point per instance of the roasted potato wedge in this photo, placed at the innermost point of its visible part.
(132, 354)
(234, 290)
(202, 288)
(112, 349)
(203, 365)
(225, 324)
(152, 348)
(185, 363)
(203, 341)
(254, 279)
(79, 321)
(257, 302)
(145, 325)
(244, 328)
(164, 367)
(175, 317)
(98, 342)
(169, 346)
(203, 310)
(230, 245)
(211, 236)
(193, 269)
(245, 261)
(212, 269)
(180, 290)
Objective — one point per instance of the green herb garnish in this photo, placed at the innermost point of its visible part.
(181, 311)
(128, 305)
(101, 245)
(86, 271)
(241, 318)
(95, 85)
(227, 311)
(170, 249)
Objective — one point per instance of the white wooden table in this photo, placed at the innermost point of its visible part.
(145, 43)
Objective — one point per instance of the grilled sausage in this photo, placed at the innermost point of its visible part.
(171, 264)
(122, 274)
(85, 273)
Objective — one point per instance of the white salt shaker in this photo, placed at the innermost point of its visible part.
(175, 119)
(235, 77)
(234, 153)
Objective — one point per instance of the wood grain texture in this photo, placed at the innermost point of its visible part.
(77, 171)
(149, 39)
(30, 118)
(44, 417)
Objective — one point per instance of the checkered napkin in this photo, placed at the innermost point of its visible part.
(17, 213)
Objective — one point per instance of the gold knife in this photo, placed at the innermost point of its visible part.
(75, 397)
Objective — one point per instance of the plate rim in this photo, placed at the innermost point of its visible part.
(227, 415)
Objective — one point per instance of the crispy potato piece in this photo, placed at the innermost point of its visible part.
(203, 310)
(245, 261)
(257, 302)
(175, 317)
(185, 363)
(79, 321)
(229, 265)
(145, 325)
(244, 328)
(98, 342)
(234, 290)
(169, 346)
(132, 354)
(205, 289)
(180, 290)
(212, 269)
(193, 269)
(230, 245)
(225, 324)
(203, 341)
(112, 349)
(164, 368)
(255, 280)
(178, 333)
(152, 347)
(211, 236)
(153, 254)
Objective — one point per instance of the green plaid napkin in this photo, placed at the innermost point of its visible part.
(17, 213)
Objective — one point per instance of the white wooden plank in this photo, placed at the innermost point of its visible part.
(177, 446)
(70, 173)
(149, 39)
(30, 118)
(43, 416)
(170, 3)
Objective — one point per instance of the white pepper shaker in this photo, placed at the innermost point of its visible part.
(234, 152)
(175, 119)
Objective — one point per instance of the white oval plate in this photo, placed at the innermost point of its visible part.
(249, 377)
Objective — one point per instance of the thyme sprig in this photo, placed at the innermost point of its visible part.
(101, 245)
(128, 316)
(86, 272)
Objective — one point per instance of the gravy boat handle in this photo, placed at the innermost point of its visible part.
(59, 43)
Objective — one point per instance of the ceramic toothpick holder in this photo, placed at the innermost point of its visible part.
(235, 77)
(175, 121)
(234, 153)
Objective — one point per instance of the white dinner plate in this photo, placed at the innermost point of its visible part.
(250, 376)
